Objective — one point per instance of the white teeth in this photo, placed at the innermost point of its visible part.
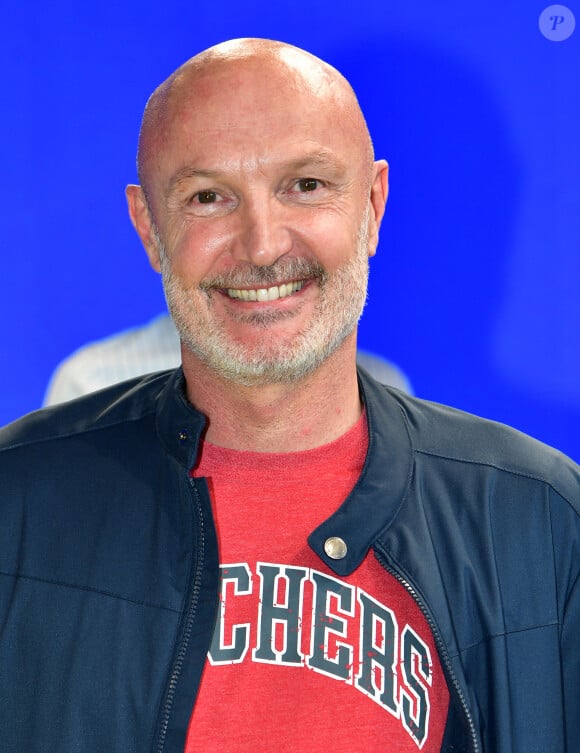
(266, 294)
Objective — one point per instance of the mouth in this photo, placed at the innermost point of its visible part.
(273, 293)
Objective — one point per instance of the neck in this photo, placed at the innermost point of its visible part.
(279, 417)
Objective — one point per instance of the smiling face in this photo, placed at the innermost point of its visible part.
(263, 208)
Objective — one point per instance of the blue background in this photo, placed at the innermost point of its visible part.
(474, 290)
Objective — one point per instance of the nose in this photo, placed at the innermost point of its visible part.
(264, 234)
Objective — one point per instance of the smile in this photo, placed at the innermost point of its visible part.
(267, 294)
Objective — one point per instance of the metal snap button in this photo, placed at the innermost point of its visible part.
(335, 548)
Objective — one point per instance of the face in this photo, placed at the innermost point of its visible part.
(265, 214)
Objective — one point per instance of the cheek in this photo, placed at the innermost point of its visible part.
(334, 241)
(195, 251)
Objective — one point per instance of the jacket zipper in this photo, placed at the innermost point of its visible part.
(191, 609)
(442, 649)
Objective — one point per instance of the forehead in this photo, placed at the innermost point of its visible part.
(258, 113)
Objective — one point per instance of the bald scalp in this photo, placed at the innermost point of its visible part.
(295, 67)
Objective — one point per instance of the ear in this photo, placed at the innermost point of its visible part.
(143, 224)
(378, 199)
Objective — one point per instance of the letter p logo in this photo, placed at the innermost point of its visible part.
(557, 23)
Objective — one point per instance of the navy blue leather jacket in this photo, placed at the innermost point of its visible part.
(109, 569)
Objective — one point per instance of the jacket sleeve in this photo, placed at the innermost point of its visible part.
(570, 659)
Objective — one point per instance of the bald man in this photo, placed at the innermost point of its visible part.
(266, 549)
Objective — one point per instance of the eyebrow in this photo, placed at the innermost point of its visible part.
(322, 158)
(186, 173)
(318, 159)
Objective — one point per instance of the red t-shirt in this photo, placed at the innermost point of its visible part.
(302, 660)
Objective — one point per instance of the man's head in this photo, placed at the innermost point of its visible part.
(258, 182)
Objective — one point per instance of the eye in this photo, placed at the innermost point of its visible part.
(206, 197)
(307, 184)
(209, 202)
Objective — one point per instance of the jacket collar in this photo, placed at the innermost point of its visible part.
(376, 497)
(379, 492)
(179, 425)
